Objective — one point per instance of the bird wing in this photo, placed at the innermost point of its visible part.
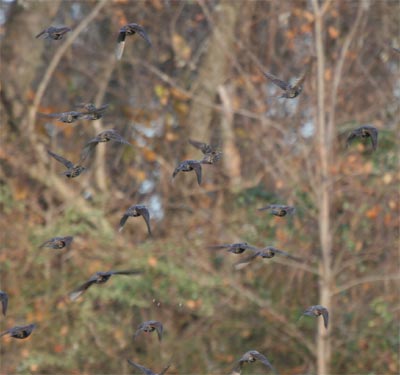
(159, 328)
(197, 168)
(126, 272)
(164, 370)
(265, 208)
(299, 81)
(82, 288)
(121, 45)
(246, 260)
(122, 222)
(141, 368)
(282, 84)
(325, 315)
(143, 211)
(263, 359)
(60, 159)
(373, 133)
(4, 302)
(88, 149)
(284, 253)
(203, 147)
(41, 33)
(140, 30)
(67, 240)
(351, 137)
(220, 247)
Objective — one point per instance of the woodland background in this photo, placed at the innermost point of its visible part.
(202, 80)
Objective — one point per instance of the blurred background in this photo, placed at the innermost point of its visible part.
(202, 79)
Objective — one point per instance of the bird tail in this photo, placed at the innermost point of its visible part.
(120, 50)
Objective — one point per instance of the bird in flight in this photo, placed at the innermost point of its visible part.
(57, 242)
(235, 248)
(130, 29)
(4, 302)
(267, 252)
(104, 136)
(188, 166)
(19, 332)
(98, 278)
(250, 357)
(136, 211)
(278, 209)
(73, 170)
(211, 154)
(91, 112)
(150, 326)
(55, 33)
(66, 117)
(365, 131)
(318, 310)
(145, 370)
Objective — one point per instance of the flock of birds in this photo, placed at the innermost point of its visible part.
(210, 156)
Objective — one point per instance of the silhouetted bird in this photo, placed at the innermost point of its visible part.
(188, 166)
(150, 326)
(145, 370)
(250, 357)
(291, 89)
(266, 252)
(57, 242)
(316, 311)
(211, 154)
(67, 117)
(73, 170)
(135, 211)
(4, 302)
(19, 332)
(55, 33)
(366, 131)
(104, 136)
(98, 278)
(278, 209)
(92, 112)
(130, 29)
(235, 248)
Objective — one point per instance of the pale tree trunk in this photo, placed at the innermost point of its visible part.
(324, 149)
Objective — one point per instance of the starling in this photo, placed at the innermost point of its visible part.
(91, 112)
(366, 131)
(72, 169)
(135, 211)
(130, 29)
(316, 311)
(145, 370)
(104, 136)
(98, 278)
(150, 326)
(250, 357)
(211, 154)
(279, 209)
(19, 332)
(267, 252)
(55, 33)
(188, 166)
(4, 302)
(57, 242)
(66, 117)
(235, 248)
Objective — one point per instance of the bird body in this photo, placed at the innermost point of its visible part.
(211, 154)
(150, 326)
(91, 112)
(136, 211)
(188, 166)
(278, 209)
(66, 117)
(4, 302)
(52, 32)
(318, 310)
(98, 278)
(250, 357)
(19, 332)
(73, 170)
(130, 29)
(365, 131)
(235, 248)
(291, 90)
(57, 242)
(145, 370)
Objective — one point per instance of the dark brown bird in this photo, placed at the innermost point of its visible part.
(145, 370)
(66, 117)
(266, 252)
(130, 29)
(366, 131)
(235, 248)
(211, 154)
(98, 278)
(136, 211)
(4, 302)
(251, 357)
(19, 332)
(188, 166)
(57, 242)
(318, 310)
(291, 89)
(55, 33)
(150, 326)
(73, 170)
(104, 136)
(91, 112)
(278, 209)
